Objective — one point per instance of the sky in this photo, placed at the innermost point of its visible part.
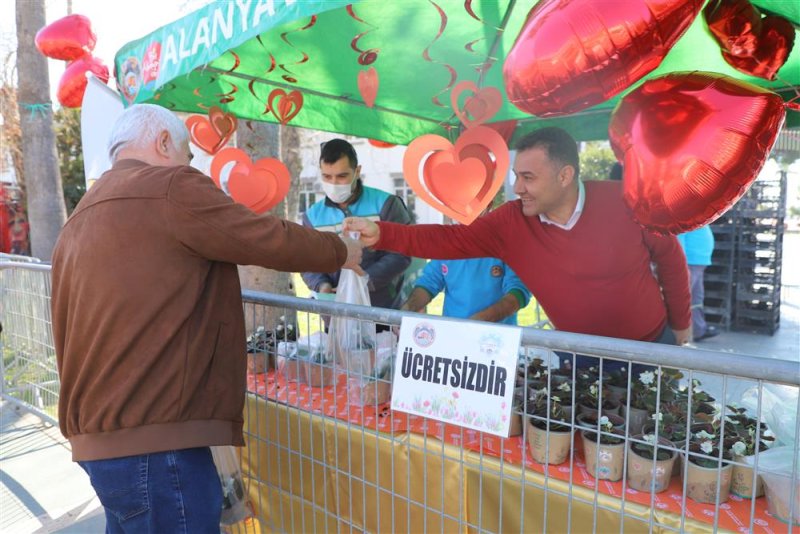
(116, 23)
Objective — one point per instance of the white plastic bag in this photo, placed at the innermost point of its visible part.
(234, 507)
(352, 342)
(779, 412)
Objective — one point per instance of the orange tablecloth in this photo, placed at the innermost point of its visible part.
(496, 456)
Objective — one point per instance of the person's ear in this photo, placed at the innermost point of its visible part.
(163, 143)
(566, 175)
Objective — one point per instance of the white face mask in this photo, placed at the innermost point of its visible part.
(338, 193)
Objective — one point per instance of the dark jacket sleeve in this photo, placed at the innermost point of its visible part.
(314, 280)
(390, 264)
(208, 222)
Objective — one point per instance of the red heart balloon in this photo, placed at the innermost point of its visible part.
(260, 186)
(368, 85)
(457, 180)
(68, 38)
(691, 145)
(285, 106)
(750, 44)
(73, 82)
(573, 54)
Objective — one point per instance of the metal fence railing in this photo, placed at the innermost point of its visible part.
(325, 454)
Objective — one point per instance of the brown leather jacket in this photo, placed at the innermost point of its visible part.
(147, 311)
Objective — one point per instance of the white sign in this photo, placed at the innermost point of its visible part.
(100, 109)
(457, 372)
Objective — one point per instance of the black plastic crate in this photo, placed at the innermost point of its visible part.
(756, 326)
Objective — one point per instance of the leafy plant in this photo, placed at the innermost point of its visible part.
(661, 385)
(648, 449)
(704, 447)
(745, 432)
(547, 409)
(608, 434)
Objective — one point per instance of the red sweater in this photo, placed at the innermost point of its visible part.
(593, 279)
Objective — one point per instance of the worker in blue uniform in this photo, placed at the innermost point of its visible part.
(347, 196)
(483, 289)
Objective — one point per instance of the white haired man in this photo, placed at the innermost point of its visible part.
(148, 324)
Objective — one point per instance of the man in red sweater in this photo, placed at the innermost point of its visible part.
(574, 245)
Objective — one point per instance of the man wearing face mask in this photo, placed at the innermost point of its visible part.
(347, 196)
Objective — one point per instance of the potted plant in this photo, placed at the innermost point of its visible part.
(746, 433)
(549, 434)
(616, 382)
(709, 471)
(590, 421)
(650, 390)
(517, 411)
(650, 463)
(590, 400)
(604, 450)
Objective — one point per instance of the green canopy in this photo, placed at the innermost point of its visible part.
(234, 54)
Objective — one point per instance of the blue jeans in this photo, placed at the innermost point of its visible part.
(666, 337)
(699, 325)
(160, 493)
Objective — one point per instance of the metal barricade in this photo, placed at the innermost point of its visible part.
(28, 364)
(323, 455)
(316, 461)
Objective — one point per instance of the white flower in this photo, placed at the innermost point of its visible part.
(649, 438)
(657, 416)
(682, 388)
(704, 435)
(538, 374)
(739, 448)
(555, 399)
(542, 391)
(604, 422)
(646, 377)
(707, 447)
(593, 390)
(565, 387)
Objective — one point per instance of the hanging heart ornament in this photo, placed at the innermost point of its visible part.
(285, 105)
(458, 180)
(259, 185)
(480, 107)
(212, 133)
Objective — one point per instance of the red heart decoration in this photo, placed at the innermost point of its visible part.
(68, 38)
(213, 133)
(380, 144)
(691, 145)
(225, 162)
(288, 105)
(573, 54)
(750, 44)
(73, 82)
(260, 186)
(368, 85)
(481, 106)
(458, 180)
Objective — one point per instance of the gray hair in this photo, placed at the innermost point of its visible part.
(141, 124)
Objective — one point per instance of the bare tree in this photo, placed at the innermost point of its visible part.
(46, 210)
(262, 140)
(10, 135)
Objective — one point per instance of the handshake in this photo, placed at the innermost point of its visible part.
(364, 233)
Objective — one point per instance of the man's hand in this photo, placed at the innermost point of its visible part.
(369, 231)
(683, 337)
(353, 256)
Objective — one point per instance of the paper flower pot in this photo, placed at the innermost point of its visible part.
(644, 474)
(318, 375)
(778, 490)
(370, 393)
(742, 481)
(549, 447)
(606, 463)
(701, 482)
(260, 362)
(636, 418)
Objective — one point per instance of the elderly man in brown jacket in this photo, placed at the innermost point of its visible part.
(148, 324)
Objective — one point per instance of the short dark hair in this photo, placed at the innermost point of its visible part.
(335, 149)
(560, 146)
